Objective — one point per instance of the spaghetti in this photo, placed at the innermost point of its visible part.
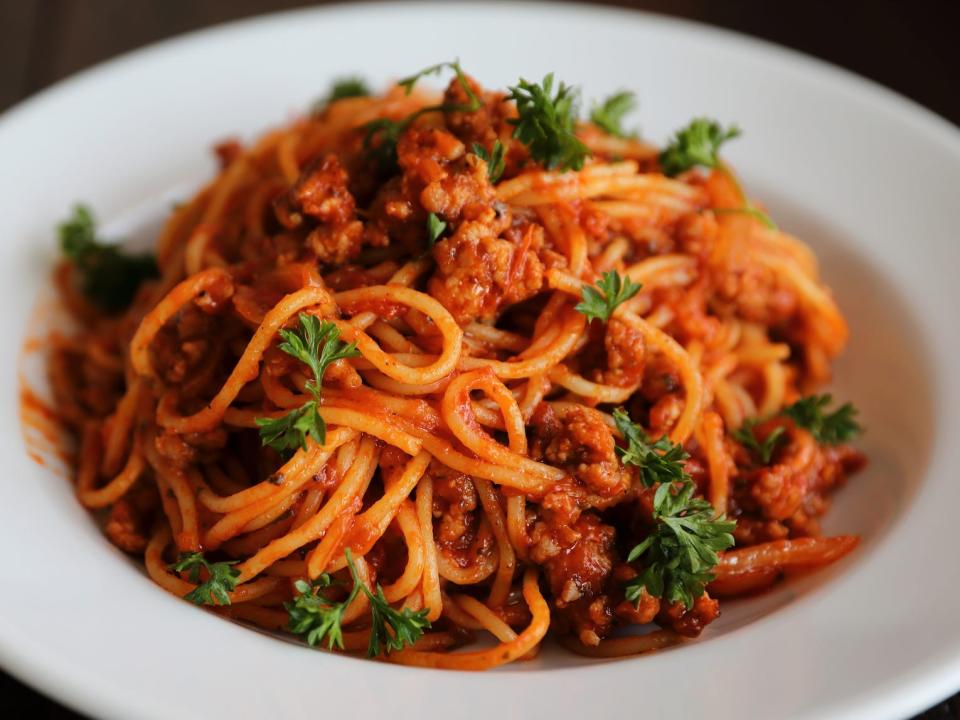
(482, 454)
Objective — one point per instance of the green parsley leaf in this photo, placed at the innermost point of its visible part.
(831, 428)
(348, 87)
(435, 228)
(546, 123)
(494, 159)
(221, 578)
(316, 344)
(616, 289)
(382, 134)
(696, 144)
(406, 625)
(314, 616)
(609, 116)
(746, 437)
(288, 433)
(659, 462)
(109, 277)
(748, 210)
(681, 549)
(408, 82)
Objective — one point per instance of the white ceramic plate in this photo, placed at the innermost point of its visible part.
(867, 177)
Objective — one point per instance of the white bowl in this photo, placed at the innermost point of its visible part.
(868, 178)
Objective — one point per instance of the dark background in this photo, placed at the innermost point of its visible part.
(911, 46)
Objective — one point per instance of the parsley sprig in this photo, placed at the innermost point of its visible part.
(659, 462)
(746, 436)
(109, 277)
(827, 428)
(614, 289)
(608, 116)
(316, 344)
(382, 134)
(697, 144)
(346, 87)
(546, 123)
(682, 547)
(314, 616)
(493, 159)
(221, 578)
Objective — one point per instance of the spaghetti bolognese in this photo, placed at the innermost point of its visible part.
(415, 369)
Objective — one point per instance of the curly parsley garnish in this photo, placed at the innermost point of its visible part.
(316, 344)
(697, 144)
(608, 116)
(680, 551)
(659, 462)
(316, 617)
(109, 277)
(764, 450)
(827, 428)
(682, 548)
(614, 290)
(546, 123)
(221, 578)
(347, 87)
(493, 159)
(382, 134)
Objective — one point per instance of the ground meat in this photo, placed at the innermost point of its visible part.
(439, 174)
(123, 527)
(639, 612)
(321, 195)
(486, 125)
(697, 234)
(454, 505)
(172, 446)
(577, 440)
(786, 498)
(664, 414)
(779, 488)
(478, 272)
(590, 619)
(689, 623)
(625, 355)
(483, 126)
(577, 558)
(751, 291)
(127, 524)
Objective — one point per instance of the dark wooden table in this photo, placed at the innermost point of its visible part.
(911, 47)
